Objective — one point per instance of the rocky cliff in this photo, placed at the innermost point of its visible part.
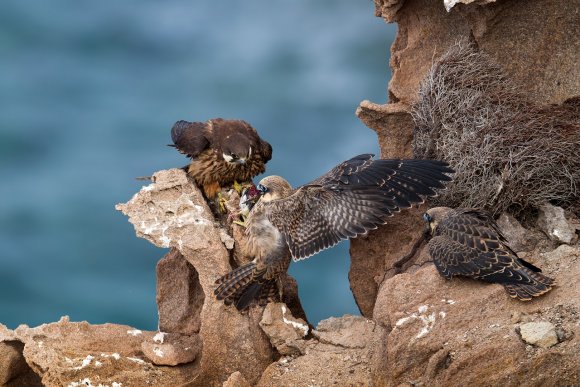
(424, 329)
(535, 44)
(416, 328)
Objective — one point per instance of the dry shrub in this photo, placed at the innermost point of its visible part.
(508, 152)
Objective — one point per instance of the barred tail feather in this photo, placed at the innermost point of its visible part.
(268, 292)
(539, 285)
(538, 277)
(242, 285)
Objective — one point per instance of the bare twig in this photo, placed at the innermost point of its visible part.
(508, 152)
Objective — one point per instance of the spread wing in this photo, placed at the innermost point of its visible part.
(468, 243)
(192, 138)
(406, 180)
(189, 137)
(353, 198)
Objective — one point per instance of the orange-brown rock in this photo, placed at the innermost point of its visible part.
(77, 353)
(14, 371)
(540, 54)
(236, 380)
(340, 357)
(466, 332)
(172, 213)
(520, 238)
(373, 256)
(286, 333)
(179, 295)
(510, 31)
(172, 348)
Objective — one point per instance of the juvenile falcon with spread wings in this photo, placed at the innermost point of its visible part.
(468, 242)
(222, 152)
(351, 199)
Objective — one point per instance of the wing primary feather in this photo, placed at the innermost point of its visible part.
(467, 242)
(351, 199)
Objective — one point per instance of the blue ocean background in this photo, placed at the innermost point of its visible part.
(88, 93)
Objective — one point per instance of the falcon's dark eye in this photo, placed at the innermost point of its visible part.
(427, 217)
(234, 156)
(261, 188)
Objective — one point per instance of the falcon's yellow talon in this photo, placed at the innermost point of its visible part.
(221, 203)
(240, 223)
(238, 187)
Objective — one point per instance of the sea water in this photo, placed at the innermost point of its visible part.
(88, 93)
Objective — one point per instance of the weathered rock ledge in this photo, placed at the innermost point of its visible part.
(425, 329)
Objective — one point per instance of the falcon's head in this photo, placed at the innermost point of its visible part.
(273, 187)
(236, 148)
(434, 216)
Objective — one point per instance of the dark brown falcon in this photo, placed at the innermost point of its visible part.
(351, 199)
(468, 242)
(222, 152)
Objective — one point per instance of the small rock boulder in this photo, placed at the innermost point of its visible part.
(541, 334)
(172, 348)
(347, 331)
(554, 224)
(286, 332)
(180, 296)
(236, 380)
(519, 238)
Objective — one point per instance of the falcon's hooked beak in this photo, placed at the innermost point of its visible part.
(264, 193)
(431, 225)
(233, 158)
(261, 189)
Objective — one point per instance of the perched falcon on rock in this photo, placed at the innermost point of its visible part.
(351, 199)
(468, 242)
(222, 152)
